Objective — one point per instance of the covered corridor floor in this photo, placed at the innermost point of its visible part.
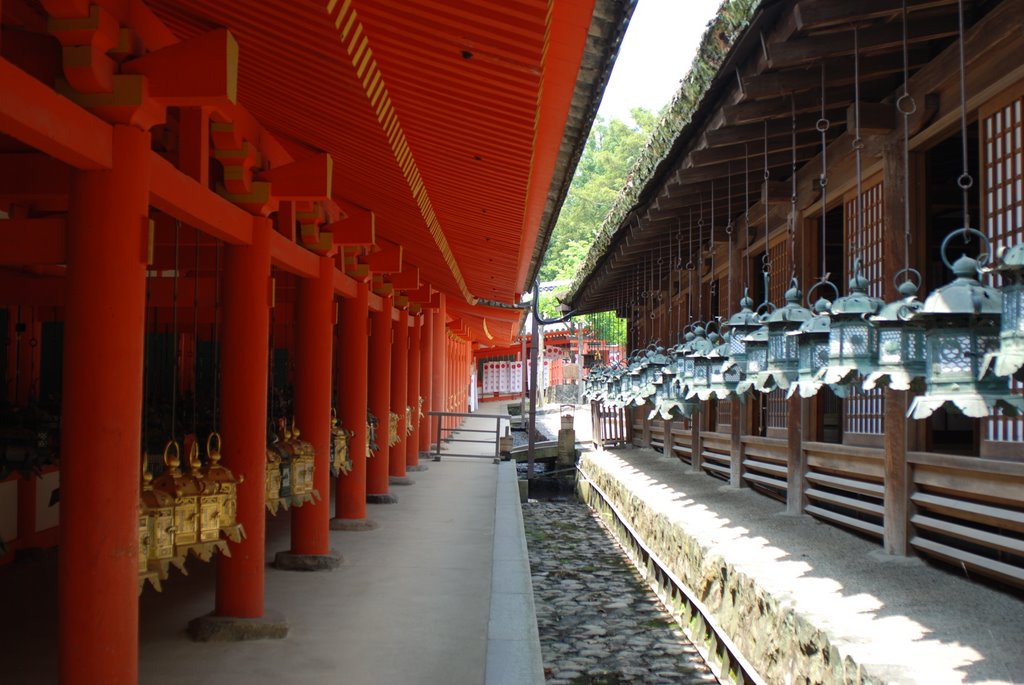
(410, 603)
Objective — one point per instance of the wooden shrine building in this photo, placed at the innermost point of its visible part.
(204, 205)
(807, 137)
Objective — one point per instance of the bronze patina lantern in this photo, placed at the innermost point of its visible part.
(961, 323)
(812, 349)
(901, 345)
(783, 356)
(740, 325)
(853, 338)
(1009, 359)
(700, 348)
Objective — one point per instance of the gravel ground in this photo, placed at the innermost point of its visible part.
(599, 623)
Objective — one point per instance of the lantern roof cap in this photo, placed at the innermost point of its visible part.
(965, 295)
(793, 312)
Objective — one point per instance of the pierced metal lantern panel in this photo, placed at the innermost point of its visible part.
(901, 342)
(812, 350)
(1009, 358)
(740, 325)
(961, 322)
(783, 354)
(755, 373)
(853, 338)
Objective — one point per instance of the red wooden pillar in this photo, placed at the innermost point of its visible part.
(315, 324)
(399, 390)
(413, 443)
(380, 401)
(426, 377)
(97, 581)
(246, 288)
(440, 363)
(353, 361)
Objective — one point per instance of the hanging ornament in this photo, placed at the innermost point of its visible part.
(853, 338)
(812, 342)
(783, 356)
(901, 344)
(961, 323)
(1009, 359)
(740, 326)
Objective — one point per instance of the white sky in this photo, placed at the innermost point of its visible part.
(657, 51)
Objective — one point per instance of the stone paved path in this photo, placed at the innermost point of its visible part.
(599, 623)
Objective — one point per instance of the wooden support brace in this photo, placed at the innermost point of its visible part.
(199, 71)
(387, 261)
(875, 118)
(127, 103)
(306, 179)
(407, 279)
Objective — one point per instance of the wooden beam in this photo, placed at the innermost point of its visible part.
(815, 14)
(293, 258)
(387, 261)
(25, 242)
(16, 287)
(358, 227)
(875, 118)
(782, 107)
(173, 192)
(31, 177)
(202, 70)
(39, 117)
(307, 179)
(838, 72)
(407, 279)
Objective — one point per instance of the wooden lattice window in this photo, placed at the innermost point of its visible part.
(863, 410)
(780, 270)
(1002, 124)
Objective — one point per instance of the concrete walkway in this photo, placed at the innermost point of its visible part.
(411, 603)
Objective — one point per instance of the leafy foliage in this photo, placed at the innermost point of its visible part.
(611, 151)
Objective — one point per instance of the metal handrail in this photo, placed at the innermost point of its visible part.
(440, 431)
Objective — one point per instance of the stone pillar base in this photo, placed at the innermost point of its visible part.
(287, 561)
(211, 628)
(400, 480)
(386, 498)
(418, 467)
(354, 524)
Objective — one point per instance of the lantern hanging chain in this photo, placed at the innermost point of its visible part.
(766, 260)
(216, 341)
(858, 145)
(728, 233)
(174, 331)
(906, 105)
(700, 264)
(712, 288)
(679, 290)
(689, 275)
(746, 214)
(195, 344)
(965, 181)
(792, 196)
(822, 126)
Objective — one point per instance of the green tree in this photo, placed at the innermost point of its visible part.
(611, 150)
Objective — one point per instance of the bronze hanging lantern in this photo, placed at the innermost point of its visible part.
(1009, 359)
(812, 342)
(226, 484)
(961, 323)
(902, 352)
(853, 338)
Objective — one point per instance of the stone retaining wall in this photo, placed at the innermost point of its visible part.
(781, 645)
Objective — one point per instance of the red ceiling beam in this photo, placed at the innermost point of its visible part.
(293, 258)
(307, 179)
(407, 279)
(36, 115)
(387, 261)
(173, 192)
(199, 71)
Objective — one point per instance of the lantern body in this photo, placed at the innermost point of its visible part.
(961, 324)
(901, 343)
(853, 338)
(812, 343)
(1009, 359)
(783, 355)
(756, 366)
(740, 325)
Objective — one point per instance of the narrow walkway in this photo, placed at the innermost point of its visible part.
(411, 603)
(806, 599)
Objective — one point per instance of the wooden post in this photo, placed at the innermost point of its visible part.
(438, 390)
(895, 536)
(645, 439)
(736, 444)
(399, 390)
(380, 401)
(315, 326)
(696, 440)
(353, 360)
(426, 376)
(413, 443)
(97, 576)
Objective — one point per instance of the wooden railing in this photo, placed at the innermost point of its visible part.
(682, 443)
(969, 512)
(764, 465)
(715, 454)
(845, 486)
